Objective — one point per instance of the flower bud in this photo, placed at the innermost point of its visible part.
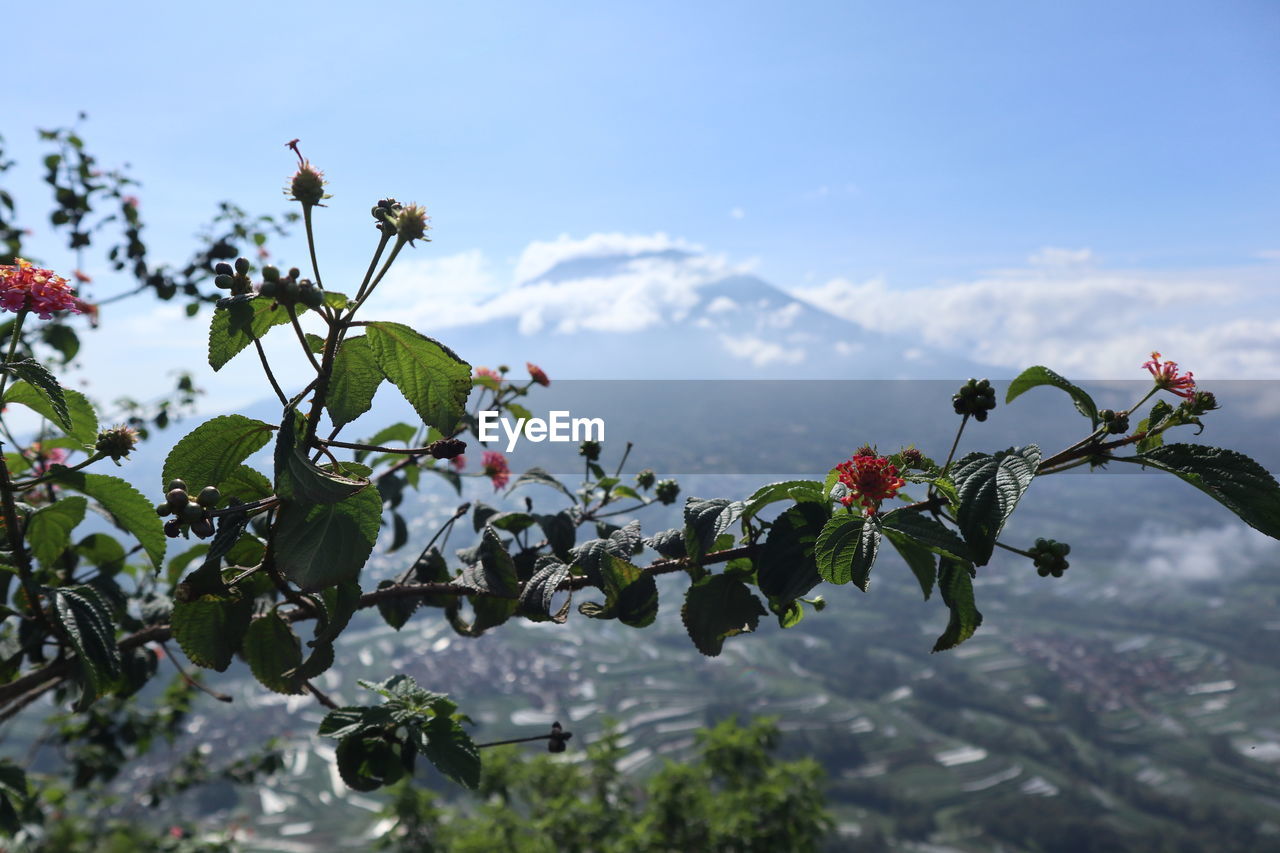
(117, 442)
(645, 478)
(447, 448)
(242, 266)
(590, 449)
(411, 223)
(307, 185)
(667, 490)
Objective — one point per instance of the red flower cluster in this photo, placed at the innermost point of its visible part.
(486, 373)
(459, 463)
(1168, 378)
(495, 468)
(870, 479)
(29, 288)
(537, 374)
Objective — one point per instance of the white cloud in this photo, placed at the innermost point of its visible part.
(541, 255)
(1205, 554)
(737, 213)
(1088, 322)
(760, 352)
(1051, 256)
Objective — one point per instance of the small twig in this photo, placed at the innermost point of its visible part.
(266, 366)
(191, 682)
(320, 696)
(302, 338)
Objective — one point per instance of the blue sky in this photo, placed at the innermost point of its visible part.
(913, 144)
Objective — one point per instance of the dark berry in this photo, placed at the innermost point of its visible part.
(209, 496)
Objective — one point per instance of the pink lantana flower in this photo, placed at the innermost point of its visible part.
(870, 480)
(537, 374)
(30, 288)
(459, 463)
(1168, 378)
(494, 466)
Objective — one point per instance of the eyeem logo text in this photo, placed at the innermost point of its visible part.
(559, 426)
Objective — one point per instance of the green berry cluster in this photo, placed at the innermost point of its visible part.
(290, 289)
(667, 490)
(186, 511)
(976, 397)
(646, 478)
(1050, 557)
(235, 279)
(384, 212)
(1117, 422)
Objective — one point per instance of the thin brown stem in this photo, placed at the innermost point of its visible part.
(271, 377)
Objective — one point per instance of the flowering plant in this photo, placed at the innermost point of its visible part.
(281, 549)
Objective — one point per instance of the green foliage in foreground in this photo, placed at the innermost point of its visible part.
(735, 796)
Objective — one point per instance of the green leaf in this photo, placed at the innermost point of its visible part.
(718, 607)
(246, 484)
(540, 590)
(274, 653)
(668, 543)
(631, 595)
(368, 763)
(211, 453)
(434, 380)
(989, 487)
(847, 548)
(86, 620)
(452, 751)
(209, 629)
(319, 545)
(921, 560)
(130, 510)
(84, 420)
(1036, 376)
(42, 380)
(340, 603)
(796, 490)
(926, 531)
(1232, 479)
(542, 478)
(786, 568)
(705, 519)
(561, 532)
(317, 485)
(956, 585)
(356, 377)
(49, 529)
(237, 321)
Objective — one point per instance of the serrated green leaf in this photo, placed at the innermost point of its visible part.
(718, 607)
(432, 378)
(451, 751)
(705, 519)
(246, 484)
(319, 545)
(272, 649)
(84, 420)
(211, 453)
(130, 510)
(668, 543)
(631, 595)
(86, 620)
(561, 532)
(540, 591)
(49, 528)
(367, 764)
(926, 531)
(921, 560)
(356, 377)
(1034, 377)
(239, 320)
(846, 549)
(542, 478)
(989, 486)
(42, 380)
(1231, 478)
(787, 568)
(209, 629)
(796, 490)
(956, 586)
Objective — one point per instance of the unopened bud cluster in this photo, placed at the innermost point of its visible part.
(646, 478)
(1050, 557)
(291, 289)
(590, 449)
(187, 511)
(117, 442)
(235, 279)
(667, 491)
(1117, 422)
(976, 397)
(407, 222)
